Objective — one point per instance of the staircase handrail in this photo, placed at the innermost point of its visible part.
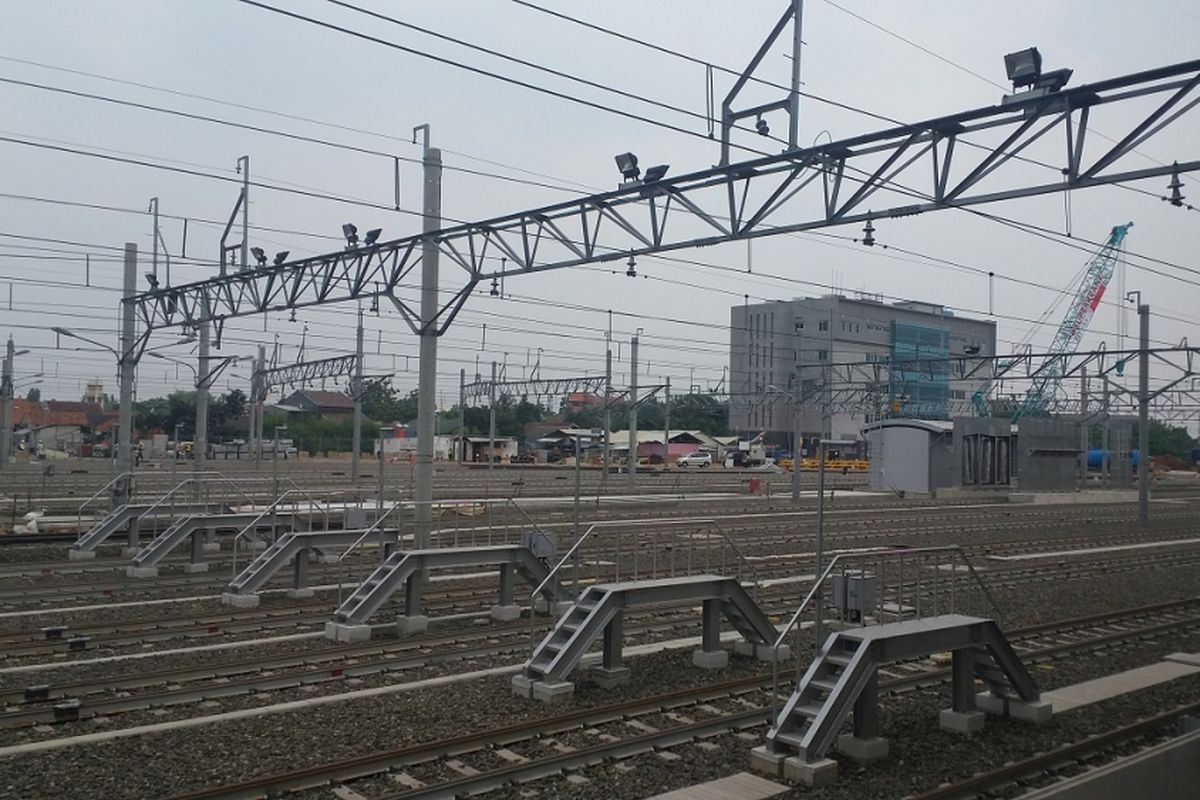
(106, 487)
(274, 504)
(368, 531)
(194, 479)
(820, 582)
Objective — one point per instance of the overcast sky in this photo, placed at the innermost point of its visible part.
(188, 54)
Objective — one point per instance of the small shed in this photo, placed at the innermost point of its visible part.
(911, 455)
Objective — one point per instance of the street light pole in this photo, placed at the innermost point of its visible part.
(633, 413)
(200, 443)
(6, 399)
(1143, 413)
(356, 391)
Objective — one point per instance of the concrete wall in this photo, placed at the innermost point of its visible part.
(1048, 454)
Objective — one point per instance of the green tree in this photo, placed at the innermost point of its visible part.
(34, 395)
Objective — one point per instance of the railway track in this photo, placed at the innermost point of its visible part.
(504, 756)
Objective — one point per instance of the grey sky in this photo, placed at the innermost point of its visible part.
(233, 52)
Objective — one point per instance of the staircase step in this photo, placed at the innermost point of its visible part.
(839, 659)
(792, 738)
(811, 710)
(824, 684)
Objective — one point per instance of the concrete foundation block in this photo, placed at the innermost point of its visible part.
(327, 559)
(766, 761)
(239, 600)
(553, 693)
(810, 773)
(991, 704)
(710, 659)
(141, 572)
(130, 552)
(341, 632)
(744, 648)
(80, 555)
(862, 750)
(407, 626)
(556, 607)
(610, 677)
(211, 547)
(300, 594)
(506, 613)
(960, 722)
(766, 652)
(522, 685)
(1036, 712)
(196, 566)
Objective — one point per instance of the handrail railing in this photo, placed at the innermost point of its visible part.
(111, 483)
(190, 480)
(626, 525)
(342, 558)
(274, 504)
(881, 554)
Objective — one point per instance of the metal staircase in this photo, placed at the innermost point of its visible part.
(120, 518)
(294, 544)
(847, 664)
(559, 652)
(401, 565)
(180, 529)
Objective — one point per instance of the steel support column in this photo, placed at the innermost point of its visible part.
(126, 369)
(1143, 415)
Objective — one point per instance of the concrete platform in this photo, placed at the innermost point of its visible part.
(743, 786)
(80, 555)
(239, 600)
(141, 572)
(301, 594)
(1110, 686)
(1087, 496)
(195, 566)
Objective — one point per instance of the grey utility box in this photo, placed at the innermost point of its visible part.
(854, 593)
(354, 518)
(540, 543)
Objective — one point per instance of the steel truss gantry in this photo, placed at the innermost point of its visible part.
(932, 165)
(306, 372)
(537, 387)
(863, 386)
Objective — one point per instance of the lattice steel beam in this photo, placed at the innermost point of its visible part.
(838, 183)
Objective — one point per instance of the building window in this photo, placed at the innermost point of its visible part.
(823, 325)
(798, 326)
(822, 355)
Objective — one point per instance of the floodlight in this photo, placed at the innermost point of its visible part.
(762, 127)
(350, 231)
(1024, 67)
(495, 292)
(631, 272)
(259, 255)
(152, 279)
(281, 257)
(627, 163)
(372, 236)
(656, 173)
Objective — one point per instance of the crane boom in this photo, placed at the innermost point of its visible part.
(1075, 323)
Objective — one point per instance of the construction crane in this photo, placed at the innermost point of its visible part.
(1096, 276)
(1079, 315)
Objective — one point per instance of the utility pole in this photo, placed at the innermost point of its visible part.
(1084, 439)
(1143, 413)
(667, 423)
(6, 398)
(258, 393)
(200, 445)
(796, 440)
(357, 391)
(427, 382)
(491, 423)
(607, 416)
(633, 413)
(126, 367)
(154, 238)
(462, 416)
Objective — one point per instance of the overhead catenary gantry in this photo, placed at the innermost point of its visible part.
(832, 184)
